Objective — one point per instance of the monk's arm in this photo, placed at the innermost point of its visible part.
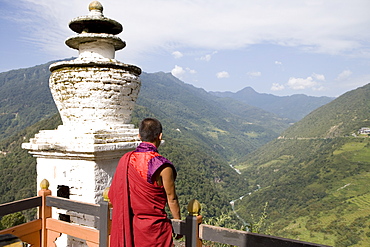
(168, 181)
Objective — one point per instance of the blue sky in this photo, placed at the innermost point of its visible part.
(285, 47)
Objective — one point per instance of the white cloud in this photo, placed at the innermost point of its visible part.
(222, 74)
(177, 54)
(207, 57)
(301, 83)
(277, 87)
(278, 63)
(191, 71)
(217, 26)
(178, 72)
(318, 77)
(254, 73)
(311, 82)
(344, 75)
(181, 73)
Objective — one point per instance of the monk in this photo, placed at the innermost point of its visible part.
(142, 185)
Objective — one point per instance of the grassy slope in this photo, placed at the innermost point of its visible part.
(343, 116)
(315, 178)
(229, 134)
(318, 196)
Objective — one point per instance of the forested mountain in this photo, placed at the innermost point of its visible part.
(17, 166)
(341, 117)
(25, 98)
(202, 134)
(292, 107)
(202, 173)
(230, 129)
(315, 176)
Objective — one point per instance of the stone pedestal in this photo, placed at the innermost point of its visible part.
(83, 161)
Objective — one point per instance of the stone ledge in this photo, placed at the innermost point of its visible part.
(75, 41)
(93, 152)
(62, 140)
(108, 63)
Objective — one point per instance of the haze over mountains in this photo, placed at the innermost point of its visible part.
(293, 107)
(313, 178)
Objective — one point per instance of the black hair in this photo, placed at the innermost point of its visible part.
(150, 129)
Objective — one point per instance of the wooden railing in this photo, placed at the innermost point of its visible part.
(45, 230)
(28, 232)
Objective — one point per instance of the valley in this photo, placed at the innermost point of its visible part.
(306, 181)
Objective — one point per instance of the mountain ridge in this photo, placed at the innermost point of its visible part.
(14, 88)
(195, 143)
(343, 116)
(294, 107)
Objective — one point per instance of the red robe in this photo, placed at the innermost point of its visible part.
(139, 218)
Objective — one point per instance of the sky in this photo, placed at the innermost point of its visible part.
(280, 47)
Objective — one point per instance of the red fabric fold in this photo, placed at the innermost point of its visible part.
(121, 231)
(139, 217)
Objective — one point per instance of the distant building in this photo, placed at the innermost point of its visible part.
(364, 130)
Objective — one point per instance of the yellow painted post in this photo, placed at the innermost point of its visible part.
(105, 222)
(106, 199)
(193, 220)
(44, 211)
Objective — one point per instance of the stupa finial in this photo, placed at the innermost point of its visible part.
(96, 6)
(95, 22)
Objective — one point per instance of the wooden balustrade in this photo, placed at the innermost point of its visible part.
(45, 230)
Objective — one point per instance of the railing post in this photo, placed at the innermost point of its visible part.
(193, 220)
(44, 211)
(104, 220)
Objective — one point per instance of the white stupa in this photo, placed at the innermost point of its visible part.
(95, 95)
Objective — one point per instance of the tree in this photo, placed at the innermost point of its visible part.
(11, 220)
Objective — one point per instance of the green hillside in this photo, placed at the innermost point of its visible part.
(213, 185)
(232, 130)
(202, 173)
(315, 180)
(343, 116)
(17, 166)
(204, 134)
(25, 98)
(200, 133)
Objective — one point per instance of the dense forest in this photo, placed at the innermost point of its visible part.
(25, 98)
(214, 184)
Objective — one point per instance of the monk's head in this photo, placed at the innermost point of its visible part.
(150, 130)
